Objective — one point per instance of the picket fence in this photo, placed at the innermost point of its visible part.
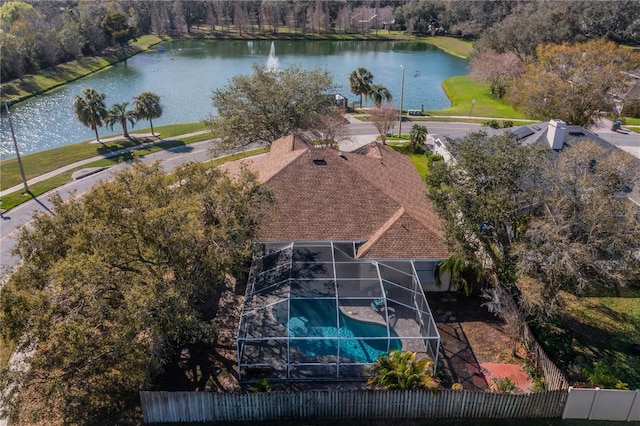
(167, 407)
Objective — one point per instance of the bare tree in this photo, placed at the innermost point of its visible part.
(384, 118)
(331, 129)
(496, 69)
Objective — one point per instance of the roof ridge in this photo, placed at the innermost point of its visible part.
(294, 156)
(379, 233)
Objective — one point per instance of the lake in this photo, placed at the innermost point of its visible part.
(187, 71)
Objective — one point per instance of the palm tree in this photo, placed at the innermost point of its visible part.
(417, 136)
(459, 272)
(119, 114)
(400, 370)
(91, 109)
(379, 93)
(147, 105)
(360, 82)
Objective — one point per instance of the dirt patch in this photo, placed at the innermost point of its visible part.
(476, 347)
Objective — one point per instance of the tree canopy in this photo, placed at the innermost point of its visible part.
(496, 70)
(384, 119)
(573, 82)
(555, 220)
(117, 28)
(587, 236)
(112, 283)
(482, 196)
(267, 105)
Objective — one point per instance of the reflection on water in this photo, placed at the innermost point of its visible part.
(187, 72)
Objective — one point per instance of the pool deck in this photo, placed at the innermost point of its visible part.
(404, 327)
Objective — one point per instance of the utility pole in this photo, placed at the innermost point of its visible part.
(401, 99)
(15, 146)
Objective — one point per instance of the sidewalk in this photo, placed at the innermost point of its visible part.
(81, 163)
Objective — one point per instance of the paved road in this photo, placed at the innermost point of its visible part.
(17, 217)
(361, 134)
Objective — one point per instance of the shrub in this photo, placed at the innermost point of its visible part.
(504, 385)
(604, 375)
(539, 383)
(262, 385)
(631, 108)
(491, 123)
(506, 124)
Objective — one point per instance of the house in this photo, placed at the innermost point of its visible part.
(343, 258)
(557, 135)
(372, 196)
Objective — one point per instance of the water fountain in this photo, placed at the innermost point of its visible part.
(272, 60)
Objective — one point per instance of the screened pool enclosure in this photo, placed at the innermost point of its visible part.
(313, 311)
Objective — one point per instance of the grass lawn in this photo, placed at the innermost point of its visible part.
(418, 160)
(39, 163)
(461, 90)
(602, 330)
(16, 198)
(453, 46)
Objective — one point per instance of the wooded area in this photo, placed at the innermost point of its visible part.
(36, 35)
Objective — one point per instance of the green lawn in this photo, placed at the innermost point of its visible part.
(453, 46)
(418, 160)
(16, 198)
(39, 163)
(461, 90)
(602, 330)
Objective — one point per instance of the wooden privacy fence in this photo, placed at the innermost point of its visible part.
(553, 377)
(164, 407)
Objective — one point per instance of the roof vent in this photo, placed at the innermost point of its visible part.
(344, 157)
(319, 162)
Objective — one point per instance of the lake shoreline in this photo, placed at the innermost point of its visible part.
(15, 91)
(187, 70)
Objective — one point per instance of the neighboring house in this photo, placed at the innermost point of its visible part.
(342, 260)
(558, 135)
(632, 90)
(555, 133)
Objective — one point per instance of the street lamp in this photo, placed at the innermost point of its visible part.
(401, 99)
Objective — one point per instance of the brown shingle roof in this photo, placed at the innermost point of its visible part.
(373, 194)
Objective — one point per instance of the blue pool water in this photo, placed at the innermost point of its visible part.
(317, 318)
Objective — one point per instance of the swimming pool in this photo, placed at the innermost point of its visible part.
(358, 341)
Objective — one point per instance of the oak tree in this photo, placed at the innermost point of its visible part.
(482, 196)
(112, 283)
(573, 82)
(269, 104)
(586, 235)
